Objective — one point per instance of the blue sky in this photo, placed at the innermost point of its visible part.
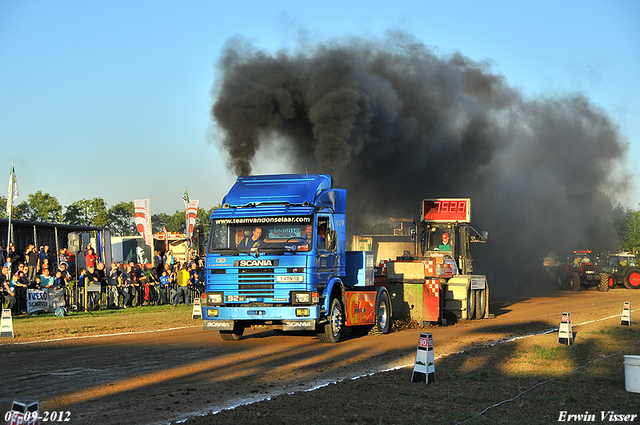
(111, 99)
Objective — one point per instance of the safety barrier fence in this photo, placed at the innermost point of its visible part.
(32, 301)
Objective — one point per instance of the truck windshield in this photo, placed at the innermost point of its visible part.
(227, 236)
(439, 238)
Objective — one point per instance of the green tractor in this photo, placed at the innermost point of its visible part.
(620, 269)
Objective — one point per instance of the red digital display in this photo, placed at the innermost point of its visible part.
(446, 210)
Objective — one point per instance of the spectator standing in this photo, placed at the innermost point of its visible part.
(91, 257)
(93, 298)
(82, 282)
(101, 274)
(195, 279)
(149, 280)
(42, 255)
(9, 291)
(165, 283)
(113, 284)
(62, 256)
(126, 280)
(19, 283)
(3, 255)
(6, 275)
(183, 286)
(169, 260)
(71, 261)
(15, 258)
(53, 260)
(158, 264)
(8, 264)
(32, 259)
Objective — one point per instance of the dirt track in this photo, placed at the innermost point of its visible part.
(172, 375)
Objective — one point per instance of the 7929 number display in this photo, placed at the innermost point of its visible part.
(446, 210)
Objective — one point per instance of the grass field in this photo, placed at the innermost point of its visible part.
(137, 319)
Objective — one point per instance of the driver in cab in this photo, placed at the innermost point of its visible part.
(252, 242)
(307, 238)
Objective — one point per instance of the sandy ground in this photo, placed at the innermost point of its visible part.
(160, 377)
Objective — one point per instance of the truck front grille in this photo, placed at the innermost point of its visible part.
(258, 275)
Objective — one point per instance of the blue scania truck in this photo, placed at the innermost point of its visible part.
(277, 258)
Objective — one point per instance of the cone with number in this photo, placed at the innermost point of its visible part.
(565, 334)
(6, 324)
(626, 314)
(197, 309)
(424, 367)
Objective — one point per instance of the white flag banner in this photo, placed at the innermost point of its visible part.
(142, 218)
(192, 214)
(13, 191)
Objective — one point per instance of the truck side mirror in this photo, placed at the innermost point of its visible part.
(485, 235)
(331, 240)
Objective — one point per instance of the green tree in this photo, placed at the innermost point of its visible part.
(44, 207)
(631, 237)
(21, 211)
(121, 219)
(38, 207)
(173, 223)
(87, 212)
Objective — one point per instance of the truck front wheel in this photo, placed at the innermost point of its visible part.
(330, 331)
(235, 334)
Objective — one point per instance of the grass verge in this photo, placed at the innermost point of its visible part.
(137, 319)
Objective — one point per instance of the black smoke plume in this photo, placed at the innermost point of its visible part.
(394, 122)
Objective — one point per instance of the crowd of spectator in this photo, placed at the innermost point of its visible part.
(165, 281)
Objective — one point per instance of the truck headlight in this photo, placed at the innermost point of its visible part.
(304, 297)
(214, 298)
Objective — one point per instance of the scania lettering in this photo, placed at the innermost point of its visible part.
(277, 258)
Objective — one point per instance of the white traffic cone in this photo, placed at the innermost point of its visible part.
(424, 369)
(6, 324)
(197, 309)
(626, 314)
(565, 334)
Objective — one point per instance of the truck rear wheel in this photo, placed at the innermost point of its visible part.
(233, 335)
(383, 315)
(481, 303)
(330, 331)
(604, 282)
(575, 281)
(632, 279)
(471, 304)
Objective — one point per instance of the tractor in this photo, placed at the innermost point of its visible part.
(583, 272)
(620, 269)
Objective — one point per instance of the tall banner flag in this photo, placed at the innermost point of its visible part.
(185, 197)
(142, 219)
(192, 214)
(13, 191)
